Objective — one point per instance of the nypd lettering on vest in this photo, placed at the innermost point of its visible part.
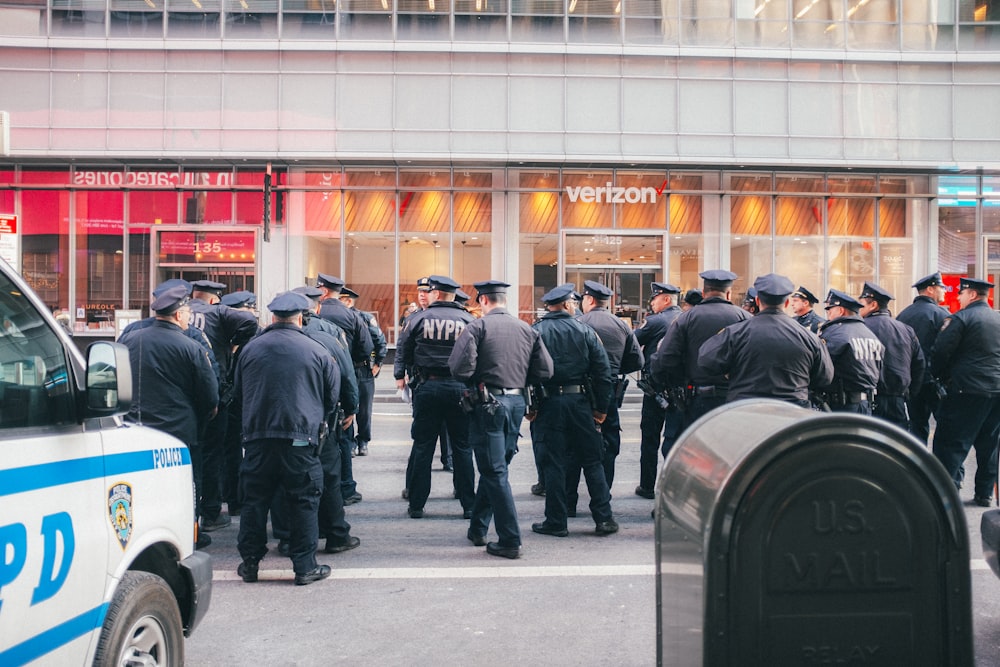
(434, 329)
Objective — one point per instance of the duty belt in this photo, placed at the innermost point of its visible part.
(560, 389)
(856, 396)
(502, 391)
(709, 392)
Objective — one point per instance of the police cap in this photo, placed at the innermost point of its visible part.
(873, 291)
(347, 291)
(491, 287)
(332, 283)
(442, 284)
(424, 284)
(577, 296)
(718, 279)
(693, 297)
(461, 298)
(558, 294)
(980, 286)
(805, 295)
(773, 286)
(596, 290)
(308, 291)
(933, 280)
(287, 304)
(838, 298)
(167, 284)
(663, 288)
(751, 296)
(241, 299)
(170, 300)
(208, 286)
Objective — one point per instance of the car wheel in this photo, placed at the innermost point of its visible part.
(143, 625)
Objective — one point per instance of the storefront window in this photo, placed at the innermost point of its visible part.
(641, 200)
(370, 244)
(209, 206)
(99, 230)
(250, 203)
(473, 227)
(687, 242)
(587, 199)
(991, 205)
(45, 217)
(957, 224)
(146, 208)
(538, 223)
(750, 230)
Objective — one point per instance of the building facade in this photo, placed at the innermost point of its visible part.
(835, 141)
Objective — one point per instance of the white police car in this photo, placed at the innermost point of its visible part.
(97, 527)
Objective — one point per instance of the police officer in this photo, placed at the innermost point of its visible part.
(366, 376)
(624, 356)
(903, 363)
(691, 299)
(801, 304)
(750, 301)
(232, 456)
(659, 425)
(675, 364)
(424, 347)
(856, 353)
(360, 346)
(175, 389)
(926, 318)
(966, 356)
(497, 355)
(571, 403)
(226, 329)
(287, 384)
(769, 355)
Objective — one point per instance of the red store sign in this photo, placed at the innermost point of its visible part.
(207, 248)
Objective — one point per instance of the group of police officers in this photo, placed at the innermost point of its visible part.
(273, 417)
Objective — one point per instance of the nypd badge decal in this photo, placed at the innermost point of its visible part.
(120, 511)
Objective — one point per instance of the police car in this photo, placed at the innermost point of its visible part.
(97, 527)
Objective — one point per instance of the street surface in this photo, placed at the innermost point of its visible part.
(416, 592)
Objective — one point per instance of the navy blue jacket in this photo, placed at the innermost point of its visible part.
(225, 328)
(675, 363)
(577, 353)
(500, 350)
(287, 385)
(903, 364)
(330, 336)
(620, 343)
(428, 339)
(653, 330)
(966, 353)
(926, 318)
(359, 341)
(856, 353)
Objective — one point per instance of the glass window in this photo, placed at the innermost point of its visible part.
(957, 224)
(99, 230)
(873, 25)
(33, 370)
(78, 18)
(537, 20)
(45, 218)
(251, 19)
(472, 234)
(818, 24)
(762, 23)
(706, 23)
(250, 203)
(146, 209)
(586, 200)
(193, 18)
(750, 229)
(687, 242)
(641, 200)
(538, 223)
(422, 19)
(928, 25)
(594, 21)
(979, 25)
(136, 18)
(481, 20)
(209, 206)
(644, 23)
(309, 19)
(366, 19)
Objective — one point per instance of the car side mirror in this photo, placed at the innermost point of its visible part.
(109, 378)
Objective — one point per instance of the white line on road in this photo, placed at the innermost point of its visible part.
(496, 572)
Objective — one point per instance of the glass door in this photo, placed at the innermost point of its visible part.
(991, 256)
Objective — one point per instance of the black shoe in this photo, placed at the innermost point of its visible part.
(477, 540)
(362, 449)
(203, 541)
(353, 499)
(466, 514)
(644, 493)
(415, 514)
(284, 547)
(571, 512)
(405, 495)
(248, 570)
(354, 453)
(494, 549)
(538, 489)
(447, 468)
(606, 527)
(320, 572)
(542, 529)
(333, 547)
(983, 501)
(233, 509)
(221, 521)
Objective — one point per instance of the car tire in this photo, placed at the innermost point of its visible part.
(143, 624)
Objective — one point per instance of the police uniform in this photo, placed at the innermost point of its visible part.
(505, 355)
(423, 350)
(750, 301)
(659, 426)
(287, 385)
(359, 346)
(624, 356)
(175, 389)
(769, 355)
(581, 385)
(809, 319)
(857, 357)
(925, 316)
(675, 364)
(966, 356)
(903, 363)
(366, 377)
(225, 328)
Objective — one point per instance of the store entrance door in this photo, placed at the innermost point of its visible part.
(630, 288)
(205, 252)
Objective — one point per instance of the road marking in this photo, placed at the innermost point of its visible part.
(500, 572)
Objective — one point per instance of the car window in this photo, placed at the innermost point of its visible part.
(34, 379)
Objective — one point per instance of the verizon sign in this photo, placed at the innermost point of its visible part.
(614, 194)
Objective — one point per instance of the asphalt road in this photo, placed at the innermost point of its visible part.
(416, 592)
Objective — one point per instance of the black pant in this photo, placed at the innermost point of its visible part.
(966, 421)
(213, 447)
(654, 422)
(268, 465)
(366, 398)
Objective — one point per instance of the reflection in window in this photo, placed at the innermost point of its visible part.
(99, 259)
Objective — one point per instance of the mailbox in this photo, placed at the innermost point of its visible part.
(786, 536)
